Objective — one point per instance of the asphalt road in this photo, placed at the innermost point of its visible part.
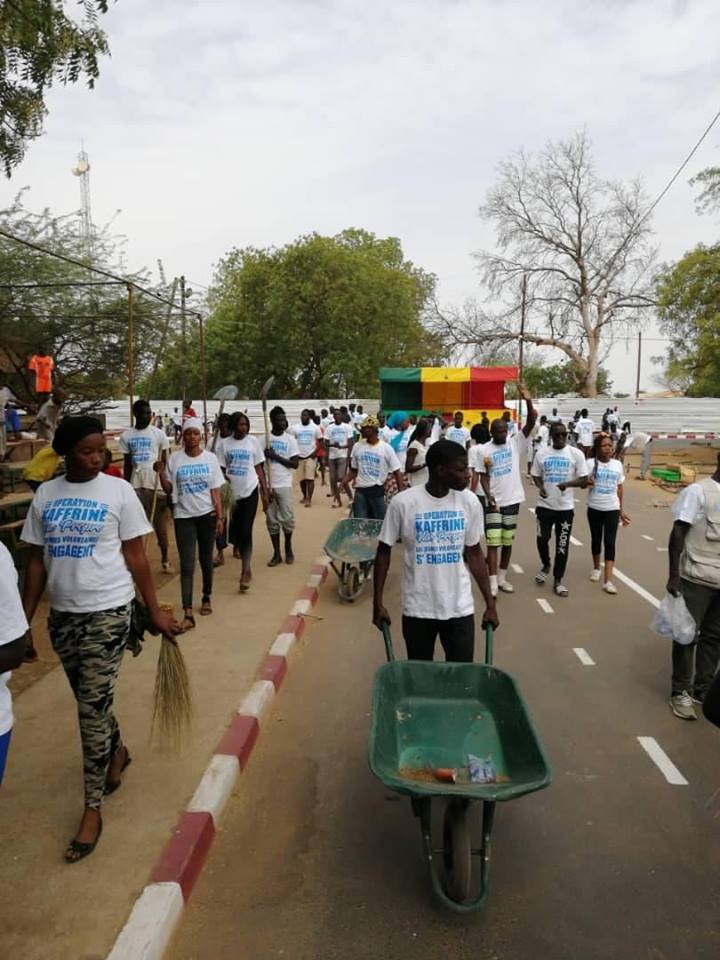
(315, 858)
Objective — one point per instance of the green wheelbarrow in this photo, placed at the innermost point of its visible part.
(351, 547)
(427, 718)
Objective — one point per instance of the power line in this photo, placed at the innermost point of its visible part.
(680, 169)
(97, 270)
(75, 283)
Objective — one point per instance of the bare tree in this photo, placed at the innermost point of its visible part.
(583, 245)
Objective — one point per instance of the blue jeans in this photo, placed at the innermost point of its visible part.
(4, 747)
(369, 504)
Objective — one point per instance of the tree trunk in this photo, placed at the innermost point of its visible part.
(588, 375)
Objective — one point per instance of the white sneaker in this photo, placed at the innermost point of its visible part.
(682, 706)
(506, 587)
(610, 587)
(561, 590)
(595, 575)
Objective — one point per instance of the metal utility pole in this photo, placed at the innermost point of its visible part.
(203, 377)
(521, 351)
(130, 365)
(183, 335)
(637, 382)
(163, 340)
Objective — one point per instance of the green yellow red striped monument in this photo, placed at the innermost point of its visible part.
(445, 390)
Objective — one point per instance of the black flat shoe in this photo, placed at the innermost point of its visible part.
(112, 785)
(77, 850)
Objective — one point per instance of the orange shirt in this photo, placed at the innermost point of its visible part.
(43, 367)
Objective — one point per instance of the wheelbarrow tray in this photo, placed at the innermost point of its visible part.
(432, 715)
(353, 541)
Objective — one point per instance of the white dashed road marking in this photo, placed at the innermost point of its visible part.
(531, 509)
(545, 606)
(584, 657)
(641, 591)
(517, 568)
(662, 761)
(575, 542)
(661, 549)
(646, 537)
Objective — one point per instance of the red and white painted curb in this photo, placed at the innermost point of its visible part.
(157, 910)
(684, 436)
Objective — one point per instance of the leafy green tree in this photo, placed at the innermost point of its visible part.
(688, 295)
(39, 45)
(84, 328)
(321, 314)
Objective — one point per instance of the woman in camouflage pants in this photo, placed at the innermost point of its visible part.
(86, 531)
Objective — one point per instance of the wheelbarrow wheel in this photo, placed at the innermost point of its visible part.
(457, 851)
(351, 584)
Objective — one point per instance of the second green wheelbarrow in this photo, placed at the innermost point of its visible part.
(351, 547)
(427, 720)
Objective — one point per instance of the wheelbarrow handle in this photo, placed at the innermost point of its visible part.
(385, 627)
(489, 645)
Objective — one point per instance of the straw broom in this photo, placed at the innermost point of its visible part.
(172, 696)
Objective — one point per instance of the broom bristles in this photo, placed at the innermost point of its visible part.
(172, 701)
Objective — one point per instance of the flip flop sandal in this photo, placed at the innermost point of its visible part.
(205, 609)
(112, 785)
(243, 587)
(187, 623)
(77, 850)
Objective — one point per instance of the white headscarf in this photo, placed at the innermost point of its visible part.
(192, 423)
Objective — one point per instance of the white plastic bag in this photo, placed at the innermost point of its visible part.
(674, 620)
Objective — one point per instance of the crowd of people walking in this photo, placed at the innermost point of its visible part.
(437, 488)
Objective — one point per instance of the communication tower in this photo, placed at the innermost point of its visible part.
(82, 170)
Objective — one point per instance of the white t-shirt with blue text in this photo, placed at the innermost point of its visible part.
(341, 433)
(144, 448)
(192, 480)
(555, 467)
(459, 435)
(239, 458)
(603, 495)
(285, 446)
(585, 428)
(307, 436)
(434, 531)
(81, 527)
(373, 462)
(505, 482)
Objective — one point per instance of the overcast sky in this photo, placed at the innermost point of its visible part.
(217, 124)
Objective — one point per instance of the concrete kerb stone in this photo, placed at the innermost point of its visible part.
(156, 912)
(258, 700)
(217, 783)
(284, 642)
(151, 923)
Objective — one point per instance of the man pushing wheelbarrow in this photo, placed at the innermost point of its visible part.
(456, 733)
